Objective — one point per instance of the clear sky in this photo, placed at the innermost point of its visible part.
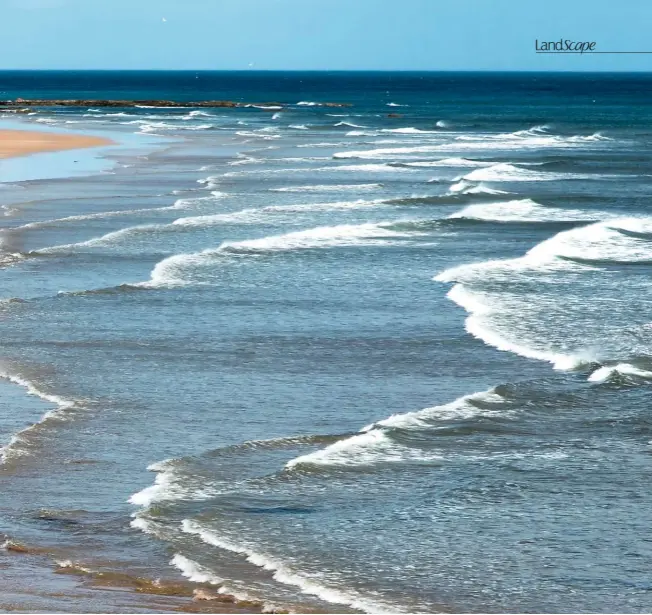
(321, 34)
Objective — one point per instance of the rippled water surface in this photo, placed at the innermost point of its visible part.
(386, 357)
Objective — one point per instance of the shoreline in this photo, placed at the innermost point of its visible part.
(17, 143)
(40, 576)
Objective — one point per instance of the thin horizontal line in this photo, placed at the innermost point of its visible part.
(588, 53)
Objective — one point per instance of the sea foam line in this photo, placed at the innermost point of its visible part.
(283, 573)
(179, 204)
(169, 272)
(373, 444)
(15, 446)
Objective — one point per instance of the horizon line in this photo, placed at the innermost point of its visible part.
(334, 70)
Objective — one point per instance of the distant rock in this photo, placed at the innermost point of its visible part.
(45, 102)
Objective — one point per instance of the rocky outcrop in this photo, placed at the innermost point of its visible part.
(14, 547)
(43, 102)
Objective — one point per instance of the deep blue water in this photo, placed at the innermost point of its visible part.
(332, 359)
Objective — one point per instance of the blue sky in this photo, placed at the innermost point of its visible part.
(320, 34)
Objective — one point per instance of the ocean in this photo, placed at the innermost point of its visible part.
(388, 357)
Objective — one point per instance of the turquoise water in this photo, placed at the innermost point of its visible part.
(334, 360)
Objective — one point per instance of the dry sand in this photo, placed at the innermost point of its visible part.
(24, 142)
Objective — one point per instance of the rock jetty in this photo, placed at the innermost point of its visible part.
(38, 102)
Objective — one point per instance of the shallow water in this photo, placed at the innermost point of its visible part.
(333, 360)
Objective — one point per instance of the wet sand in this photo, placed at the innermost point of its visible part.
(34, 581)
(25, 142)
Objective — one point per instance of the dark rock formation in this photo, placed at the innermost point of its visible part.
(23, 103)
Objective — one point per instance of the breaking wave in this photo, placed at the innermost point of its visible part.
(408, 131)
(375, 443)
(493, 316)
(348, 124)
(524, 210)
(387, 152)
(509, 172)
(21, 442)
(468, 187)
(172, 271)
(449, 162)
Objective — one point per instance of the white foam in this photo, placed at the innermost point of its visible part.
(298, 126)
(450, 162)
(308, 103)
(327, 188)
(524, 139)
(598, 242)
(164, 488)
(48, 120)
(323, 144)
(477, 324)
(323, 236)
(387, 152)
(121, 114)
(194, 114)
(244, 159)
(179, 204)
(193, 571)
(139, 523)
(255, 215)
(466, 187)
(257, 135)
(607, 372)
(349, 124)
(365, 168)
(368, 448)
(171, 271)
(373, 444)
(508, 172)
(284, 573)
(362, 133)
(534, 131)
(169, 485)
(16, 445)
(393, 104)
(211, 181)
(408, 131)
(105, 240)
(151, 127)
(463, 407)
(523, 210)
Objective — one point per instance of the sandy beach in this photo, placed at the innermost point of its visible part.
(24, 142)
